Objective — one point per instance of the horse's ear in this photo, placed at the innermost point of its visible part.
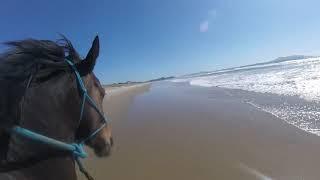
(86, 66)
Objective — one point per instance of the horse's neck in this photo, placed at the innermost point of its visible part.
(48, 110)
(45, 112)
(21, 148)
(4, 141)
(61, 168)
(12, 93)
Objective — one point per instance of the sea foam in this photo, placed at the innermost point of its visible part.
(291, 78)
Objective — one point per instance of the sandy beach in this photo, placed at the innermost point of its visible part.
(176, 131)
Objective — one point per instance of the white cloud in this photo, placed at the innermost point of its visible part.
(204, 26)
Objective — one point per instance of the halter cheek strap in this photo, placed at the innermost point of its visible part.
(87, 98)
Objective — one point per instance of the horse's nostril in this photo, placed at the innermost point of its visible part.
(103, 149)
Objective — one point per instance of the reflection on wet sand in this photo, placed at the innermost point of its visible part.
(180, 132)
(119, 99)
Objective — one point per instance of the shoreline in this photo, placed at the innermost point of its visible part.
(119, 89)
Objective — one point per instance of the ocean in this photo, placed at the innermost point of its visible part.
(289, 90)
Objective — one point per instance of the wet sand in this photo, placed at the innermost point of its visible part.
(175, 131)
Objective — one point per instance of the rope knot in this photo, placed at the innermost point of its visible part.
(79, 150)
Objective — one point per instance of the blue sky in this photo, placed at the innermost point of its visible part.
(145, 39)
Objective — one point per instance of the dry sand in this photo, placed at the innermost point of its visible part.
(173, 132)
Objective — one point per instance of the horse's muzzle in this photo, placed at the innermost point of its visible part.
(103, 149)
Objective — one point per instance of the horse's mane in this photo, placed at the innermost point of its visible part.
(19, 62)
(24, 55)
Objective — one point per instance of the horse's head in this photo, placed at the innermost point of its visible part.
(102, 142)
(46, 97)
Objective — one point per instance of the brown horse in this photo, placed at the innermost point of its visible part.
(51, 107)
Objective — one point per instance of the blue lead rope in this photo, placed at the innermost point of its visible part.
(77, 149)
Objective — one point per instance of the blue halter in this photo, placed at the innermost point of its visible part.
(77, 147)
